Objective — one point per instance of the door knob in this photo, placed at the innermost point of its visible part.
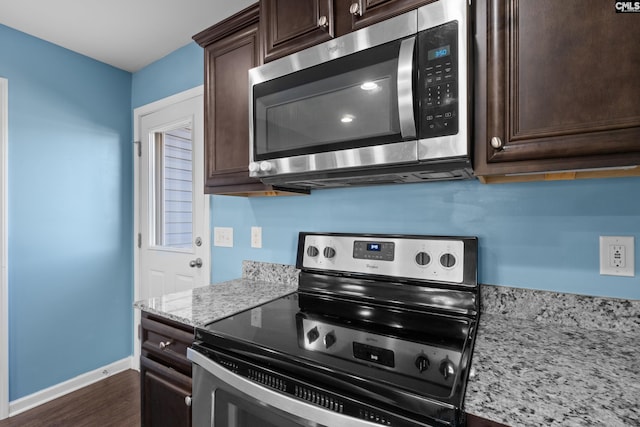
(195, 263)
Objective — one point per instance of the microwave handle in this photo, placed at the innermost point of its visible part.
(405, 88)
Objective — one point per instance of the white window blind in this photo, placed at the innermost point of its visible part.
(173, 192)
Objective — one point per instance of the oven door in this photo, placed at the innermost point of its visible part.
(224, 399)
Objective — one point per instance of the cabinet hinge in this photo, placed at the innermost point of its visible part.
(139, 332)
(139, 240)
(139, 148)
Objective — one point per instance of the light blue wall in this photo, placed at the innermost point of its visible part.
(182, 69)
(70, 213)
(533, 235)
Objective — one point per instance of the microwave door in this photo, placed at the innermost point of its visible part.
(357, 102)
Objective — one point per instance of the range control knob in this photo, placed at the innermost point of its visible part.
(265, 166)
(329, 252)
(448, 260)
(312, 251)
(447, 368)
(313, 335)
(422, 363)
(254, 167)
(329, 339)
(423, 258)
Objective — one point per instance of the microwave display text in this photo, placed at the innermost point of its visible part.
(373, 247)
(439, 52)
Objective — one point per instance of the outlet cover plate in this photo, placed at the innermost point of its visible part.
(617, 256)
(256, 237)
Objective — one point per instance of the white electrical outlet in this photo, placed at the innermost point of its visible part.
(617, 256)
(223, 236)
(256, 237)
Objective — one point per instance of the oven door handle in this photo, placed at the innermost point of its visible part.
(297, 408)
(405, 88)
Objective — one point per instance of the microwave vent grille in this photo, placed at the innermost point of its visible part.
(357, 181)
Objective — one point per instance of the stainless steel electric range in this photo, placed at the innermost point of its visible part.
(380, 332)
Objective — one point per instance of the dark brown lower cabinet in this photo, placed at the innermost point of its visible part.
(166, 395)
(165, 372)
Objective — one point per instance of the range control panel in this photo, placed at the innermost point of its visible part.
(420, 258)
(432, 363)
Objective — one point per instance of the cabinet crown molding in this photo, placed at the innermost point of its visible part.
(222, 29)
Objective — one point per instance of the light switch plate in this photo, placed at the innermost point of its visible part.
(617, 256)
(223, 236)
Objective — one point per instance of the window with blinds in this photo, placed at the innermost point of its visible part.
(173, 188)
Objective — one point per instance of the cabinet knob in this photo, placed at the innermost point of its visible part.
(496, 143)
(187, 400)
(355, 9)
(165, 344)
(323, 21)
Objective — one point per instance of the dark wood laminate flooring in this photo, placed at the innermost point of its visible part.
(114, 401)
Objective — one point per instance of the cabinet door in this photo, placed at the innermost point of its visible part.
(558, 86)
(227, 62)
(292, 25)
(361, 13)
(166, 396)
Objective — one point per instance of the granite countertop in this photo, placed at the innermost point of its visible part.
(540, 358)
(548, 359)
(260, 283)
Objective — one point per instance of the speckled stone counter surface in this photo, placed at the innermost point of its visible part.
(260, 283)
(550, 359)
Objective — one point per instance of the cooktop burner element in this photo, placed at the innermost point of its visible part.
(385, 321)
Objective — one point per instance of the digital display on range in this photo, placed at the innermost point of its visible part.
(375, 247)
(439, 52)
(381, 251)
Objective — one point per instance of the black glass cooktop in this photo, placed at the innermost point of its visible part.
(418, 351)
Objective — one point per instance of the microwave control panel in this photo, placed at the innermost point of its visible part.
(438, 80)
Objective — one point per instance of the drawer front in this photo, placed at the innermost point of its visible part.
(167, 343)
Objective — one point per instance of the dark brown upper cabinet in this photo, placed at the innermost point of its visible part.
(557, 88)
(292, 25)
(231, 48)
(361, 13)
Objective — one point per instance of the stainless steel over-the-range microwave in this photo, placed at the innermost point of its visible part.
(384, 104)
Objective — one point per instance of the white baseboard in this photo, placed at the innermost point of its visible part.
(43, 396)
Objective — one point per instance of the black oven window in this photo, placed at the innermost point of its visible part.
(346, 103)
(233, 411)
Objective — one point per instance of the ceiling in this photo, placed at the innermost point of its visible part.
(128, 34)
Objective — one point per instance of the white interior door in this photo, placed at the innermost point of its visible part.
(173, 241)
